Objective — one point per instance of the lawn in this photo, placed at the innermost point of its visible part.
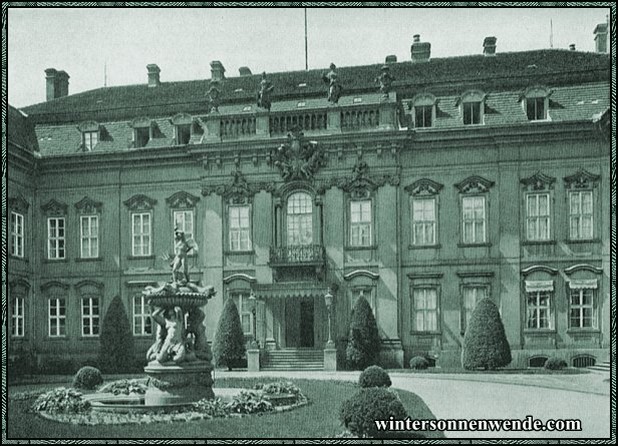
(318, 419)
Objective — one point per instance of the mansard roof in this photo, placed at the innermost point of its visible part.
(450, 75)
(20, 131)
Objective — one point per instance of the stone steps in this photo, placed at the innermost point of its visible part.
(603, 367)
(293, 359)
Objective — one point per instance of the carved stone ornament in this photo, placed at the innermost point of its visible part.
(19, 204)
(424, 186)
(214, 94)
(53, 207)
(140, 202)
(581, 180)
(538, 181)
(362, 183)
(298, 159)
(88, 206)
(182, 199)
(474, 184)
(239, 191)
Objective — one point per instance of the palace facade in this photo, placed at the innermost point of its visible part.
(422, 185)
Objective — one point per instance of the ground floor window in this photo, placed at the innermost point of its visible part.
(425, 309)
(142, 324)
(57, 317)
(18, 317)
(90, 316)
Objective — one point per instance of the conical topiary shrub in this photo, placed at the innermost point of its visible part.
(229, 344)
(485, 344)
(364, 342)
(117, 349)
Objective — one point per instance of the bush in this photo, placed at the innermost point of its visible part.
(229, 343)
(358, 414)
(213, 408)
(419, 363)
(485, 344)
(364, 342)
(125, 387)
(554, 363)
(61, 400)
(249, 402)
(87, 378)
(374, 376)
(117, 350)
(279, 388)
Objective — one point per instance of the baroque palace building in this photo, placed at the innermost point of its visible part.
(422, 185)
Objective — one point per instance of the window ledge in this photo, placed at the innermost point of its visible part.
(538, 242)
(426, 333)
(583, 331)
(65, 260)
(586, 240)
(361, 248)
(142, 336)
(540, 331)
(56, 338)
(239, 253)
(20, 258)
(89, 337)
(149, 257)
(435, 246)
(89, 259)
(474, 245)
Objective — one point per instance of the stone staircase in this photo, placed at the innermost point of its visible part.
(602, 367)
(293, 359)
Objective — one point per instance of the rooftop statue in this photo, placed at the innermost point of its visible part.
(334, 88)
(264, 93)
(386, 81)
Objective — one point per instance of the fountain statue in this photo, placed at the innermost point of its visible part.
(179, 364)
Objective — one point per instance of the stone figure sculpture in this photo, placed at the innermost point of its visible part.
(172, 323)
(334, 88)
(386, 81)
(182, 247)
(199, 347)
(264, 93)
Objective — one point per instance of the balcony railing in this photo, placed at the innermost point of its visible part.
(280, 125)
(297, 255)
(360, 119)
(233, 128)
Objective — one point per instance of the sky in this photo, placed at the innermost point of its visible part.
(98, 46)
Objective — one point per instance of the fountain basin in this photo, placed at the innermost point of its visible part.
(178, 384)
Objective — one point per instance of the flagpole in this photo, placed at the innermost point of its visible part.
(306, 54)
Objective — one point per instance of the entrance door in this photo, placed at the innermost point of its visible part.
(306, 323)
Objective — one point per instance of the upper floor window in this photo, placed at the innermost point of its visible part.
(580, 215)
(90, 134)
(183, 220)
(239, 227)
(182, 123)
(17, 234)
(474, 213)
(142, 131)
(535, 101)
(55, 238)
(141, 234)
(472, 106)
(424, 221)
(424, 110)
(89, 229)
(299, 219)
(538, 216)
(360, 223)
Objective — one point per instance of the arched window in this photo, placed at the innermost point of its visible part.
(583, 361)
(299, 219)
(535, 102)
(537, 361)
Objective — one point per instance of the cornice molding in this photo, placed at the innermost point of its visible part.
(88, 206)
(581, 180)
(474, 184)
(582, 267)
(18, 203)
(424, 186)
(140, 202)
(361, 273)
(539, 268)
(182, 199)
(54, 208)
(538, 181)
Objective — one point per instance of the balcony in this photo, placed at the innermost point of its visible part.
(297, 255)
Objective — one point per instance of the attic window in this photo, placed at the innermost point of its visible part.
(246, 108)
(141, 136)
(302, 84)
(357, 100)
(535, 101)
(301, 104)
(424, 110)
(472, 107)
(90, 140)
(183, 134)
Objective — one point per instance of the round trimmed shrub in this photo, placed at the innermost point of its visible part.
(554, 363)
(374, 376)
(419, 363)
(364, 340)
(229, 344)
(485, 344)
(87, 378)
(358, 414)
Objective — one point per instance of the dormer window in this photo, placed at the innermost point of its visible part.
(472, 105)
(90, 135)
(535, 101)
(142, 131)
(424, 110)
(182, 123)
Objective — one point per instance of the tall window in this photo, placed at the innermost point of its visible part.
(474, 219)
(90, 140)
(425, 309)
(239, 228)
(89, 227)
(142, 325)
(90, 316)
(424, 221)
(55, 238)
(244, 311)
(183, 220)
(471, 296)
(17, 234)
(580, 215)
(360, 223)
(423, 115)
(535, 109)
(18, 311)
(57, 317)
(183, 134)
(538, 310)
(472, 112)
(300, 219)
(581, 312)
(141, 238)
(538, 216)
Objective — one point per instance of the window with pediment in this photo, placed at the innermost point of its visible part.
(141, 210)
(424, 212)
(55, 212)
(18, 208)
(18, 294)
(89, 212)
(182, 205)
(474, 195)
(425, 291)
(57, 294)
(582, 204)
(583, 296)
(423, 110)
(538, 206)
(535, 103)
(539, 298)
(472, 107)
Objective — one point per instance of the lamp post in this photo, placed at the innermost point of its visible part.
(328, 300)
(253, 305)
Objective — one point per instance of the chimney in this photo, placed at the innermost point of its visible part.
(600, 38)
(153, 75)
(244, 71)
(420, 51)
(489, 46)
(57, 84)
(391, 58)
(572, 47)
(217, 71)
